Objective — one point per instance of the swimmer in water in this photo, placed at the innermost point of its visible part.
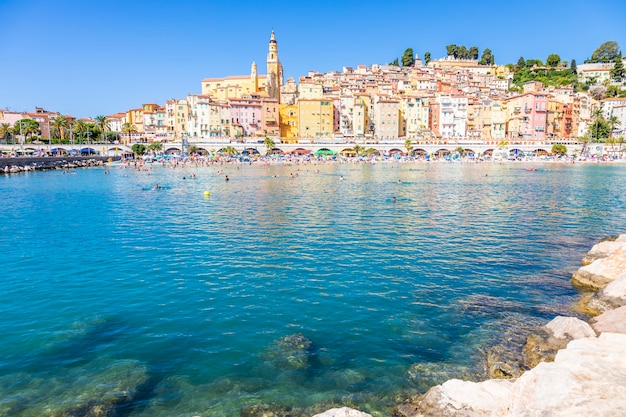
(156, 187)
(226, 178)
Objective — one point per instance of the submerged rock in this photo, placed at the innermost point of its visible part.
(270, 410)
(292, 352)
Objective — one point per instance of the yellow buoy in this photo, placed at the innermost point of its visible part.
(207, 193)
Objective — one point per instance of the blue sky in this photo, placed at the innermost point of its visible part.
(89, 58)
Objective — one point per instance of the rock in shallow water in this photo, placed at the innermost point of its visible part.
(342, 412)
(602, 271)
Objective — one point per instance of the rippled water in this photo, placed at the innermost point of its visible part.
(168, 303)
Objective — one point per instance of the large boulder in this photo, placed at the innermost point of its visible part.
(610, 297)
(342, 412)
(601, 271)
(544, 345)
(604, 249)
(456, 398)
(613, 321)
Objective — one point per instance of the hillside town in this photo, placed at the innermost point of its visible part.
(448, 99)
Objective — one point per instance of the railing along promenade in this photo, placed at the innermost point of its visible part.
(307, 146)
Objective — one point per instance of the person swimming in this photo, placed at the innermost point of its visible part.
(226, 178)
(156, 187)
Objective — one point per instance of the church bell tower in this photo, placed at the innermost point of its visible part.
(274, 70)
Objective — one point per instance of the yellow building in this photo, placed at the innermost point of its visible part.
(288, 122)
(315, 118)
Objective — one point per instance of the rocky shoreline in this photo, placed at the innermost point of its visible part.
(27, 164)
(578, 368)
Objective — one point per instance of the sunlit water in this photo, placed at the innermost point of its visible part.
(399, 274)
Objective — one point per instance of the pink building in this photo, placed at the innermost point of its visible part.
(527, 116)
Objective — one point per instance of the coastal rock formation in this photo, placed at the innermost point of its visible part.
(610, 297)
(603, 270)
(604, 249)
(543, 345)
(611, 321)
(342, 412)
(587, 378)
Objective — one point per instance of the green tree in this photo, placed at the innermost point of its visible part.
(80, 127)
(25, 128)
(408, 144)
(269, 145)
(138, 149)
(427, 58)
(613, 122)
(605, 52)
(129, 129)
(103, 126)
(521, 63)
(395, 62)
(559, 149)
(462, 52)
(358, 149)
(5, 131)
(452, 50)
(408, 59)
(617, 72)
(473, 52)
(230, 151)
(553, 60)
(61, 124)
(600, 129)
(157, 147)
(487, 57)
(573, 66)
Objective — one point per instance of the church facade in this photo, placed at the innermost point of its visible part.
(254, 85)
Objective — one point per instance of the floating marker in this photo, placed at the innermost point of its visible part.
(207, 193)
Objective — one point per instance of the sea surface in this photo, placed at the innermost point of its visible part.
(342, 284)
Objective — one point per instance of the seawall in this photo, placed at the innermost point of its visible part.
(25, 164)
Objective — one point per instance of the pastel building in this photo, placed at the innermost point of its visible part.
(452, 115)
(315, 118)
(386, 118)
(527, 116)
(414, 120)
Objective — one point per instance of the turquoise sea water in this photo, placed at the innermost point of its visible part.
(168, 303)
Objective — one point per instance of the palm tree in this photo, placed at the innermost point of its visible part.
(60, 123)
(103, 125)
(129, 128)
(408, 144)
(80, 127)
(5, 129)
(597, 114)
(25, 127)
(358, 149)
(613, 121)
(230, 150)
(269, 144)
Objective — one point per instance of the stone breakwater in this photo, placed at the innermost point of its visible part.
(26, 164)
(578, 367)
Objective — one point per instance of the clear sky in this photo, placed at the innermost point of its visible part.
(90, 58)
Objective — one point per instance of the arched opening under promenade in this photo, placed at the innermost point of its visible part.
(419, 152)
(442, 153)
(171, 151)
(395, 152)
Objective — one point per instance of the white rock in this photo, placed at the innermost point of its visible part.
(601, 271)
(569, 328)
(608, 247)
(342, 412)
(613, 321)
